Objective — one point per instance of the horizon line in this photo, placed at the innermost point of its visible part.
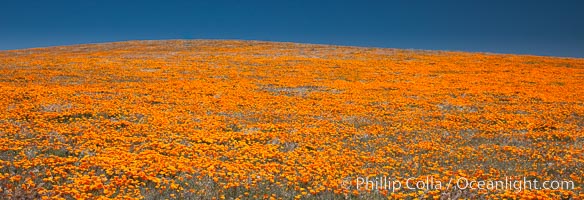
(293, 42)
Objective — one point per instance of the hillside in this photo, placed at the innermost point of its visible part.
(249, 119)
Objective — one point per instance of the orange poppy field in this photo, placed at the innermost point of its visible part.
(224, 119)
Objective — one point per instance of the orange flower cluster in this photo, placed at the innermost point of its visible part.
(248, 120)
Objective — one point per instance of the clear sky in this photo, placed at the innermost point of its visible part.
(503, 26)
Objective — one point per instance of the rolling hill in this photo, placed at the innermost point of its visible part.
(225, 119)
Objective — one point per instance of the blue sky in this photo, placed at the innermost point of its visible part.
(523, 27)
